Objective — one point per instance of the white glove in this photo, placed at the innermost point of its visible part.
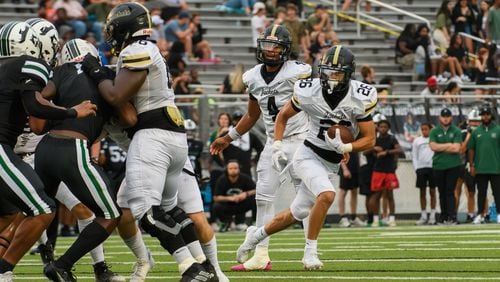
(279, 157)
(336, 143)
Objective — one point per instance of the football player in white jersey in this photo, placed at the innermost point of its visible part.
(270, 87)
(159, 148)
(331, 99)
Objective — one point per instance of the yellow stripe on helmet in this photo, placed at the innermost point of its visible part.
(336, 55)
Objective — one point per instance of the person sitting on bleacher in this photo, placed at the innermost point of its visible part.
(178, 30)
(406, 45)
(77, 18)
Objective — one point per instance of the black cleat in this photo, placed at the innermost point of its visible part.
(46, 253)
(57, 274)
(104, 274)
(196, 273)
(211, 270)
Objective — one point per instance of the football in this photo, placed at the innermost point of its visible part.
(345, 133)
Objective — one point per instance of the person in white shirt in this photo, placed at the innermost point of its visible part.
(422, 162)
(432, 88)
(259, 21)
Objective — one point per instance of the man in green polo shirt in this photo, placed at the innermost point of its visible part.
(445, 140)
(484, 159)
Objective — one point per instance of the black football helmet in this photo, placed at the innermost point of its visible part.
(275, 37)
(126, 21)
(335, 69)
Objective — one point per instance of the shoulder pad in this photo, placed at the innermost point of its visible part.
(137, 56)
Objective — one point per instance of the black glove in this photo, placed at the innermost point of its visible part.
(94, 70)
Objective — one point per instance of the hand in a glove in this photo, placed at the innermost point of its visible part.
(336, 143)
(93, 68)
(279, 157)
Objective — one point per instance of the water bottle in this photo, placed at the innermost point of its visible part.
(492, 211)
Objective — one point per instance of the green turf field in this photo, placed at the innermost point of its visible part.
(434, 253)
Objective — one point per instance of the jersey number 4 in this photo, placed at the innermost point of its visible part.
(272, 108)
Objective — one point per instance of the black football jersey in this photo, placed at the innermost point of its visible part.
(18, 74)
(195, 149)
(73, 87)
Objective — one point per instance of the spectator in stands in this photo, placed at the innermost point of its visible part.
(368, 74)
(320, 21)
(384, 179)
(279, 15)
(482, 20)
(442, 32)
(422, 163)
(481, 65)
(445, 140)
(297, 31)
(237, 6)
(406, 45)
(194, 77)
(223, 123)
(77, 18)
(157, 26)
(484, 159)
(464, 19)
(98, 11)
(427, 61)
(201, 46)
(385, 91)
(233, 82)
(64, 28)
(411, 128)
(347, 4)
(46, 10)
(284, 4)
(432, 88)
(349, 182)
(180, 82)
(234, 196)
(163, 45)
(178, 30)
(494, 23)
(172, 8)
(452, 92)
(456, 50)
(259, 22)
(175, 59)
(318, 47)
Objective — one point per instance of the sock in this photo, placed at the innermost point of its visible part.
(5, 266)
(137, 246)
(196, 251)
(183, 258)
(305, 225)
(375, 219)
(90, 237)
(265, 212)
(97, 254)
(392, 218)
(424, 214)
(433, 214)
(43, 238)
(210, 250)
(312, 245)
(260, 234)
(370, 218)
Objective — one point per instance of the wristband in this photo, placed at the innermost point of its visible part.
(234, 134)
(348, 148)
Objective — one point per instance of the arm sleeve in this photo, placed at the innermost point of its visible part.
(36, 109)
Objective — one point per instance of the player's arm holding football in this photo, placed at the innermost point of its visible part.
(244, 125)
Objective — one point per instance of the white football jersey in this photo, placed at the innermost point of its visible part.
(359, 103)
(27, 141)
(156, 92)
(273, 96)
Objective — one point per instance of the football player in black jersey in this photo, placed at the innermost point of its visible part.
(63, 155)
(22, 76)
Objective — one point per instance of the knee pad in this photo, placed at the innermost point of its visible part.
(299, 211)
(187, 227)
(161, 225)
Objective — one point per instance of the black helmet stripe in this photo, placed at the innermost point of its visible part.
(33, 21)
(336, 55)
(73, 49)
(4, 42)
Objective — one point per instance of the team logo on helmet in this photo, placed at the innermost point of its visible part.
(17, 39)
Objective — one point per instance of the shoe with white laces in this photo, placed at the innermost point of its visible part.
(392, 223)
(141, 269)
(344, 222)
(421, 221)
(358, 222)
(243, 253)
(441, 79)
(311, 261)
(7, 276)
(456, 79)
(478, 219)
(465, 78)
(259, 261)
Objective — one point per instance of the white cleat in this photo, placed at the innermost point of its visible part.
(478, 219)
(421, 221)
(312, 262)
(7, 276)
(245, 249)
(222, 277)
(141, 269)
(344, 222)
(358, 222)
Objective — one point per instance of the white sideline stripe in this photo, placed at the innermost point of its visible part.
(454, 232)
(307, 277)
(38, 262)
